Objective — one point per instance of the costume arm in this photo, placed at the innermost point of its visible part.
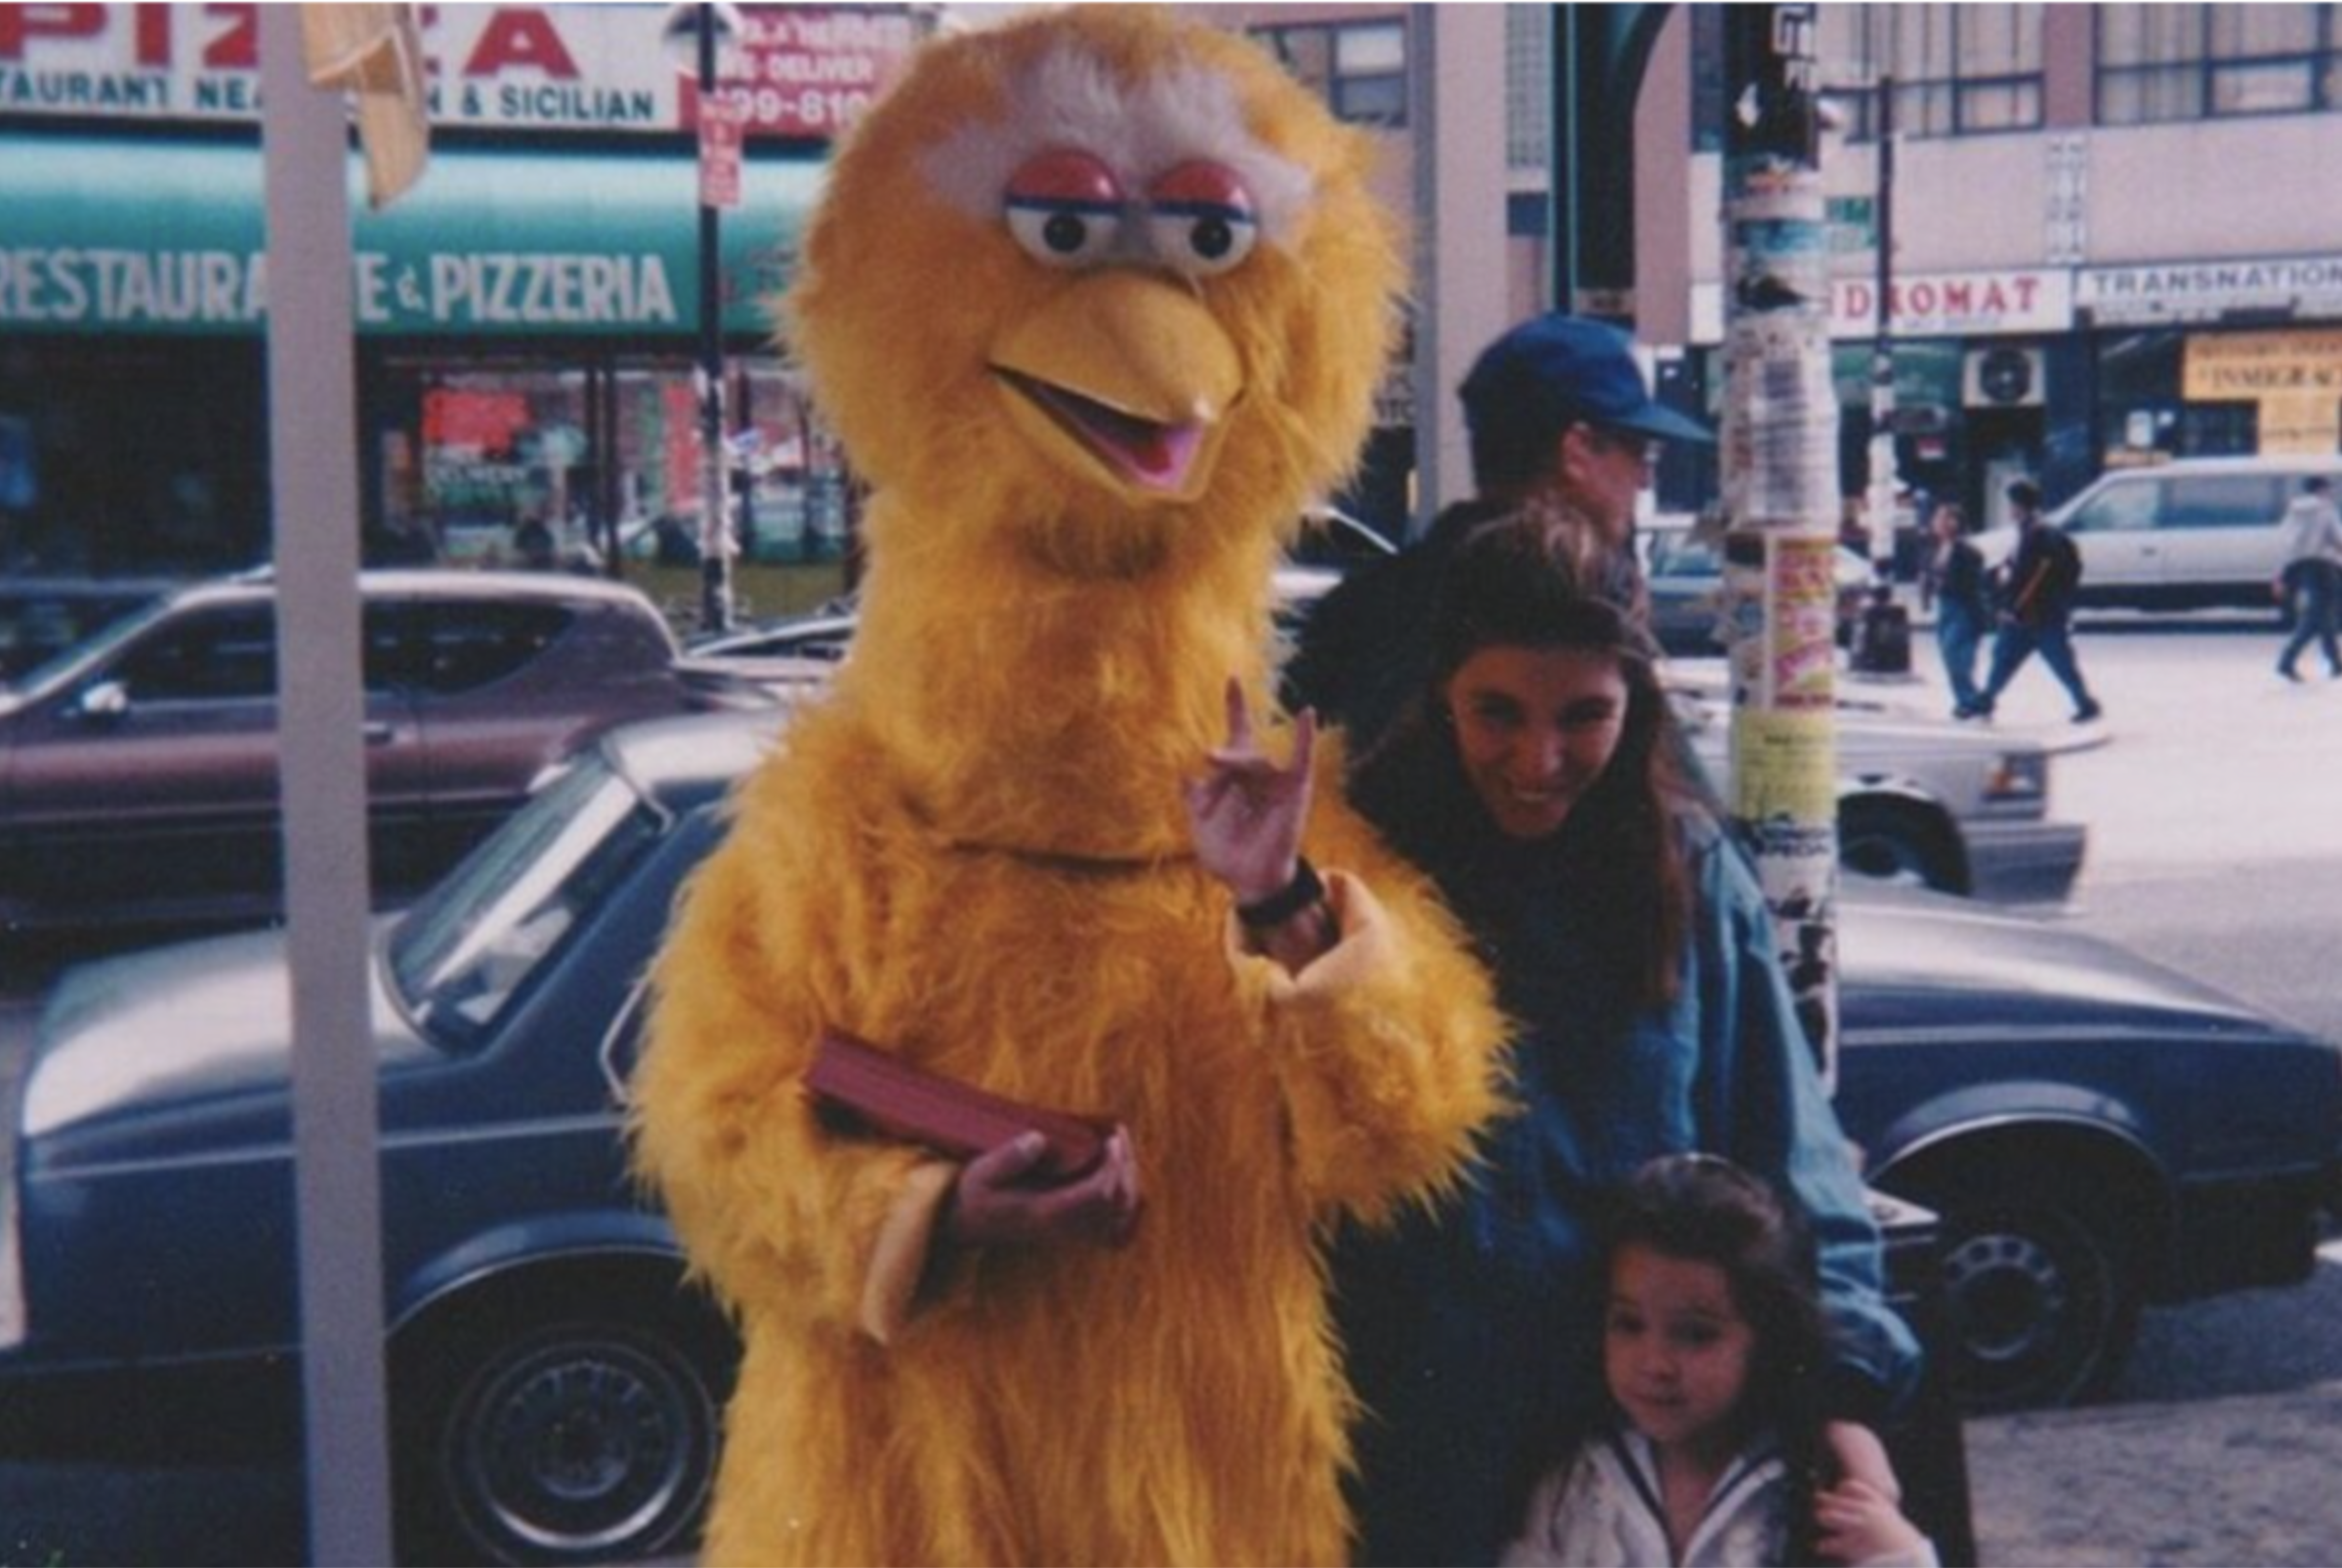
(779, 1215)
(1388, 1046)
(1773, 1117)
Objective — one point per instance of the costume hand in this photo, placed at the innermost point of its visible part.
(1245, 813)
(992, 1207)
(1856, 1522)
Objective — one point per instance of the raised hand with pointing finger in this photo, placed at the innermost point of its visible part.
(1247, 814)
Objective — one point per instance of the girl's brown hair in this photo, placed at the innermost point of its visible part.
(1540, 578)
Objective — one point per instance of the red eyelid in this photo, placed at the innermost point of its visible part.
(1067, 176)
(1202, 183)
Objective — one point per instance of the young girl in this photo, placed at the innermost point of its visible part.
(1711, 1452)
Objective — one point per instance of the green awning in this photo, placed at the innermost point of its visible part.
(103, 235)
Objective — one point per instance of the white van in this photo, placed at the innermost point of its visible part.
(2192, 532)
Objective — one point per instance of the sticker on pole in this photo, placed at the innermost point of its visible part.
(722, 125)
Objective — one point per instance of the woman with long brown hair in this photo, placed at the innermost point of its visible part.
(1539, 780)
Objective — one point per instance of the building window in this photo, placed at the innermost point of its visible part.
(1959, 69)
(2184, 62)
(1528, 87)
(1359, 67)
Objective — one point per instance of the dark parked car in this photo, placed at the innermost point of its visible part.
(138, 770)
(2096, 1133)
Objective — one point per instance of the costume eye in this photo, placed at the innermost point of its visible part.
(1063, 208)
(1201, 220)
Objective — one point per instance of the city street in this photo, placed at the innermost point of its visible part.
(2215, 848)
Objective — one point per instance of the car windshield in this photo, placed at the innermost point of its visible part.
(92, 650)
(460, 958)
(1679, 553)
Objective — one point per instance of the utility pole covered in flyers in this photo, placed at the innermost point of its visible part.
(1781, 494)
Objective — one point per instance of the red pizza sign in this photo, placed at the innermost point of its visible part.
(799, 71)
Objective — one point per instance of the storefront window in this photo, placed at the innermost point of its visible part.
(510, 463)
(2147, 413)
(2138, 398)
(486, 477)
(131, 458)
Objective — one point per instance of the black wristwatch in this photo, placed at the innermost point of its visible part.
(1291, 899)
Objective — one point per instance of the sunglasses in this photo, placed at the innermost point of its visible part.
(1644, 449)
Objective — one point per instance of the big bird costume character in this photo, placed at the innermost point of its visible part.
(1095, 301)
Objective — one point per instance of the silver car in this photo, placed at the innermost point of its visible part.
(2185, 534)
(1920, 800)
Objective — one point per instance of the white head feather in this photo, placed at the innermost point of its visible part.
(1070, 98)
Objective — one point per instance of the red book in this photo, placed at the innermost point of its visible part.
(858, 1087)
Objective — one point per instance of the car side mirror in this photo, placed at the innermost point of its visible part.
(106, 703)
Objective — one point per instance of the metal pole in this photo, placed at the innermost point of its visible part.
(313, 462)
(1452, 53)
(1781, 493)
(715, 507)
(1880, 500)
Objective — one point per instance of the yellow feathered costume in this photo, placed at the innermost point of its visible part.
(1094, 300)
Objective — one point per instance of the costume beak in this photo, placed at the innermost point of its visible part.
(1126, 378)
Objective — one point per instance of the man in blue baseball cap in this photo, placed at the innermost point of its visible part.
(1558, 403)
(1558, 411)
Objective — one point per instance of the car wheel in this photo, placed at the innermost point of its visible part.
(1899, 843)
(577, 1440)
(2041, 1308)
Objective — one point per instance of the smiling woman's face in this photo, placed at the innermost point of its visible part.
(1535, 728)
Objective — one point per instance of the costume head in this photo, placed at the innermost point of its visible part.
(1105, 280)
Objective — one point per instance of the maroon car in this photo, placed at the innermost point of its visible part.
(139, 772)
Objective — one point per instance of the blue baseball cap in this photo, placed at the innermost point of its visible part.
(1555, 370)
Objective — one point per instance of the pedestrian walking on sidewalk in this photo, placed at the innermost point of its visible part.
(1954, 584)
(2039, 587)
(2312, 575)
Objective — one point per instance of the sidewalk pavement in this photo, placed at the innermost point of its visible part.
(2218, 1481)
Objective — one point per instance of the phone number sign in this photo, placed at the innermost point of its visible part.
(809, 72)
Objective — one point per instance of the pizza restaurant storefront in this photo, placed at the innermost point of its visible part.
(527, 316)
(527, 337)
